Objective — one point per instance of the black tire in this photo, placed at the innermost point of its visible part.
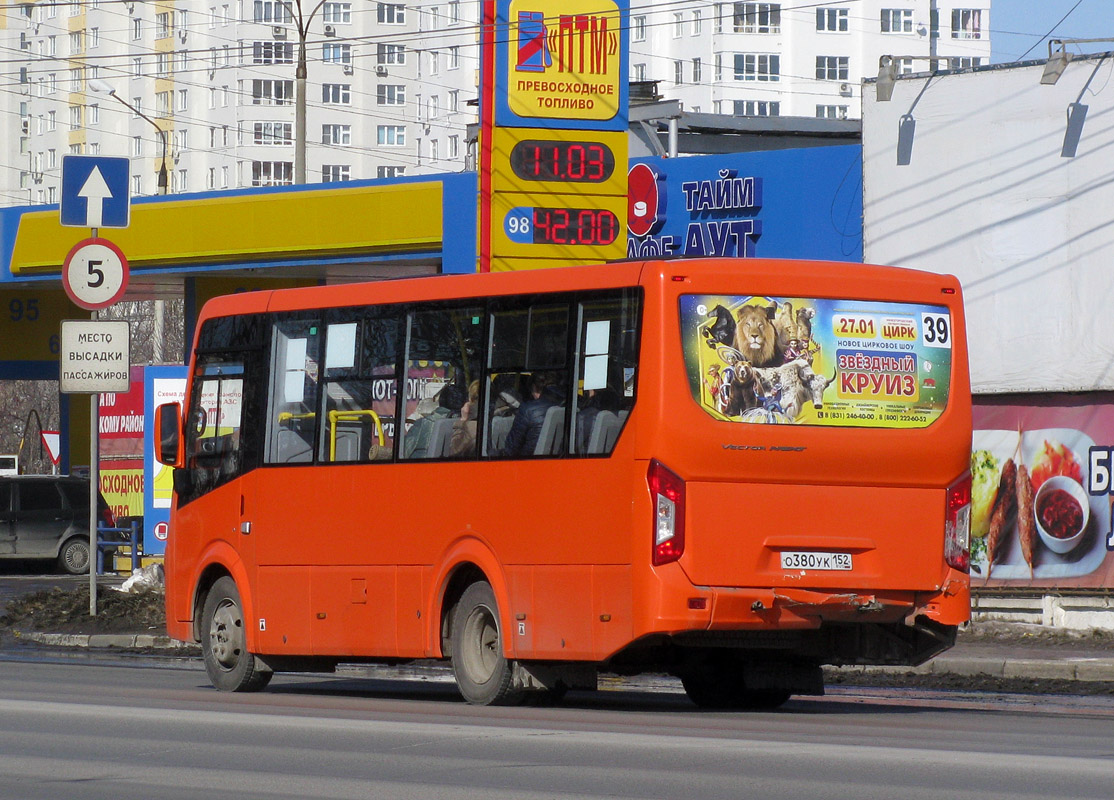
(718, 684)
(73, 558)
(231, 668)
(483, 673)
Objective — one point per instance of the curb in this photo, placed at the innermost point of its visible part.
(1088, 670)
(142, 641)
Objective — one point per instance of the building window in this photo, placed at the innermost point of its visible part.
(271, 93)
(638, 29)
(387, 94)
(75, 42)
(832, 68)
(966, 23)
(678, 72)
(831, 112)
(697, 73)
(390, 172)
(137, 145)
(454, 146)
(336, 134)
(272, 173)
(897, 20)
(331, 173)
(697, 23)
(75, 118)
(163, 24)
(757, 67)
(758, 18)
(963, 62)
(757, 108)
(162, 64)
(162, 104)
(270, 11)
(183, 99)
(273, 133)
(272, 53)
(336, 94)
(638, 72)
(454, 57)
(832, 20)
(390, 54)
(337, 13)
(391, 13)
(336, 53)
(678, 24)
(137, 67)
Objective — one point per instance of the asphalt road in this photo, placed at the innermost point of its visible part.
(96, 729)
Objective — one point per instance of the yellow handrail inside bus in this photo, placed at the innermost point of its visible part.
(351, 416)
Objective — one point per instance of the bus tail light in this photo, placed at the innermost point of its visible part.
(668, 493)
(957, 525)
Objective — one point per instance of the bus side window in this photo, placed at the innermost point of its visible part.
(293, 391)
(360, 387)
(444, 347)
(607, 363)
(528, 378)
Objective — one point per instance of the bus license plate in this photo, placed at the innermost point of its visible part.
(815, 561)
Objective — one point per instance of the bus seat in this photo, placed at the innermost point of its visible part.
(623, 415)
(605, 430)
(292, 448)
(549, 440)
(500, 427)
(348, 444)
(440, 438)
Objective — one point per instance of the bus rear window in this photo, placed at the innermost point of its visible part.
(808, 361)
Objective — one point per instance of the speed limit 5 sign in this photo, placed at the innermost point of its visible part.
(95, 274)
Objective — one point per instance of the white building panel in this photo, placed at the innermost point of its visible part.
(987, 175)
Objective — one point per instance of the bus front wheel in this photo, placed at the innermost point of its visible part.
(231, 668)
(483, 673)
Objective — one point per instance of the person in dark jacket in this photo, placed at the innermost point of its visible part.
(528, 420)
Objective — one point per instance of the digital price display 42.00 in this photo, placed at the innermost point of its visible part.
(573, 162)
(571, 226)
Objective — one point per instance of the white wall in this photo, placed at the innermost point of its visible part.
(986, 195)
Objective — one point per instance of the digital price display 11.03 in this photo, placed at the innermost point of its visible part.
(573, 162)
(565, 226)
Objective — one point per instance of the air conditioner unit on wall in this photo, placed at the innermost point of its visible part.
(845, 89)
(381, 71)
(347, 69)
(330, 30)
(278, 32)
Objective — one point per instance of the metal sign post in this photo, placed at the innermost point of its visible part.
(95, 357)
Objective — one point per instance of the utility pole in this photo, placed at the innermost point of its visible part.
(302, 22)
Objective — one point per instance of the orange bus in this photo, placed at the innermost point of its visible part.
(733, 471)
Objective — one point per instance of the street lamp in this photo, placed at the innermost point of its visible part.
(97, 85)
(302, 22)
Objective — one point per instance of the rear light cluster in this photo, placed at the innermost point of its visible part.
(957, 525)
(667, 491)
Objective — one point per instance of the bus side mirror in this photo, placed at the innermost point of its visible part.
(168, 429)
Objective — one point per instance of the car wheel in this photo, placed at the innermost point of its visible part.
(718, 684)
(231, 668)
(73, 558)
(483, 673)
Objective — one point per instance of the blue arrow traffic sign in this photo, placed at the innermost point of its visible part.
(95, 192)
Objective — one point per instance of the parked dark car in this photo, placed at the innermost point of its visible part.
(47, 517)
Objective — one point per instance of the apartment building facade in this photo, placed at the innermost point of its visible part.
(208, 86)
(797, 59)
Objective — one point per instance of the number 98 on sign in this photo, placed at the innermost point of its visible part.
(95, 274)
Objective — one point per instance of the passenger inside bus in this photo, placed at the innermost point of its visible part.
(540, 414)
(463, 441)
(430, 435)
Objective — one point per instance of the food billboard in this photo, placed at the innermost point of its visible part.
(1041, 492)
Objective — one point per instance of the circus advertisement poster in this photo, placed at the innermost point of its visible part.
(842, 363)
(1041, 469)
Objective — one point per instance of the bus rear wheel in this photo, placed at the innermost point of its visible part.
(483, 674)
(718, 684)
(231, 668)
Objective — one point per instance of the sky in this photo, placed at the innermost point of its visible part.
(1018, 25)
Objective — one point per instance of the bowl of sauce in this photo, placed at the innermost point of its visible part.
(1062, 512)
